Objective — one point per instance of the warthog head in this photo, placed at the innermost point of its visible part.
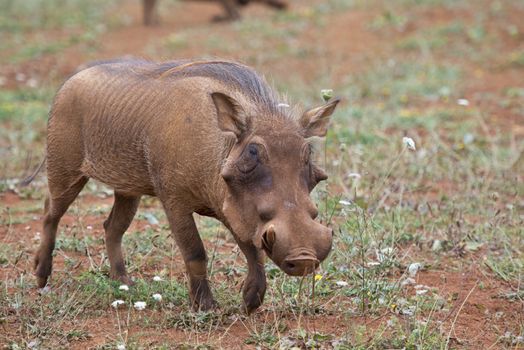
(269, 174)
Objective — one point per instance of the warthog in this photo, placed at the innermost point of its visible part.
(206, 137)
(230, 6)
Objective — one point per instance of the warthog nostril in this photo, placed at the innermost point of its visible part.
(269, 238)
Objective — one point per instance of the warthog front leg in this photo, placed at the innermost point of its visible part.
(117, 223)
(255, 283)
(190, 244)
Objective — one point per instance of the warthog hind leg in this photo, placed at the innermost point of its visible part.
(61, 195)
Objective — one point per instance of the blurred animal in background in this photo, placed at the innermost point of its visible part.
(231, 8)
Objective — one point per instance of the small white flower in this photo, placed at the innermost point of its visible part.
(32, 83)
(342, 283)
(407, 281)
(121, 347)
(421, 286)
(283, 105)
(373, 263)
(33, 344)
(157, 297)
(344, 202)
(140, 305)
(468, 138)
(409, 311)
(414, 268)
(89, 227)
(124, 287)
(462, 102)
(421, 291)
(409, 143)
(117, 303)
(45, 290)
(20, 77)
(384, 254)
(355, 176)
(151, 219)
(157, 279)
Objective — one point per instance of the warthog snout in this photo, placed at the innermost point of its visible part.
(315, 246)
(301, 265)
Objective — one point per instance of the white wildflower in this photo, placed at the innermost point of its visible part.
(157, 297)
(344, 202)
(421, 291)
(117, 303)
(140, 305)
(414, 268)
(45, 290)
(437, 245)
(462, 102)
(123, 288)
(89, 227)
(151, 219)
(32, 83)
(409, 143)
(408, 311)
(407, 281)
(342, 283)
(373, 263)
(384, 254)
(421, 286)
(355, 176)
(468, 138)
(121, 347)
(33, 344)
(20, 77)
(157, 279)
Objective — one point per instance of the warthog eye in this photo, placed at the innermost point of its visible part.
(249, 159)
(253, 151)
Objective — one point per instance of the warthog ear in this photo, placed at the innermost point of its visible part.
(231, 116)
(315, 121)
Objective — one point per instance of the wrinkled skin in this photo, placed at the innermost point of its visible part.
(204, 137)
(150, 16)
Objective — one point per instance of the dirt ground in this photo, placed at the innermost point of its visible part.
(480, 311)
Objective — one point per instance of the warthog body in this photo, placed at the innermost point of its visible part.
(230, 8)
(206, 137)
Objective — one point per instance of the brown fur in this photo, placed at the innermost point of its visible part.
(150, 16)
(205, 137)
